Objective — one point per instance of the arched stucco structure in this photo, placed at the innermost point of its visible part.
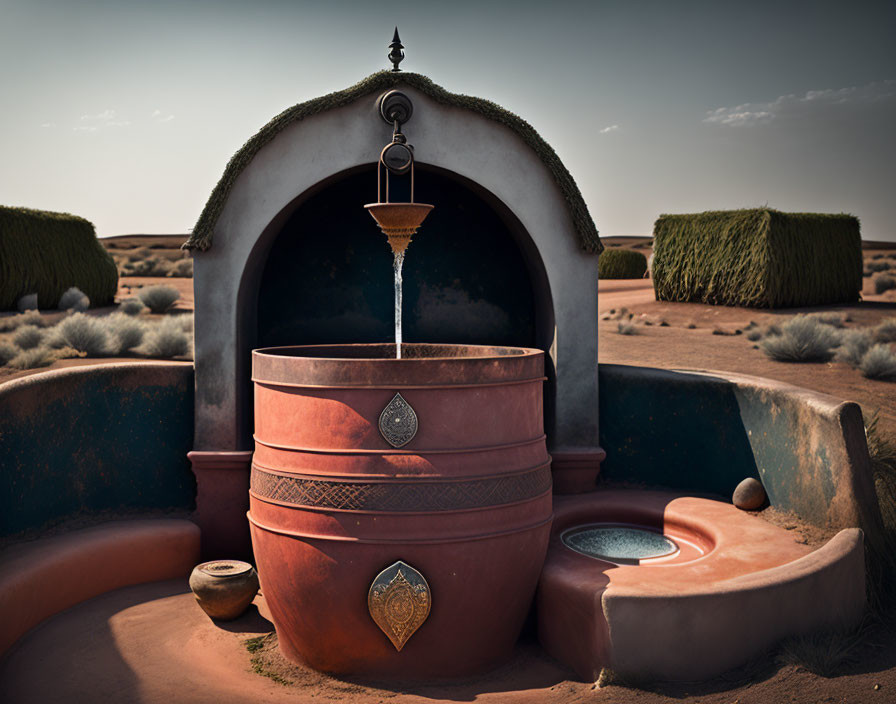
(300, 159)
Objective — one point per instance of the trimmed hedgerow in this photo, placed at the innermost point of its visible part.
(621, 264)
(46, 253)
(589, 240)
(760, 258)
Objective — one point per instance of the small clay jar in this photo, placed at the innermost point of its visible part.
(224, 588)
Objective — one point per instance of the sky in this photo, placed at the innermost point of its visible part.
(126, 112)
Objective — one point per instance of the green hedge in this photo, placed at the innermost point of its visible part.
(760, 258)
(621, 264)
(46, 253)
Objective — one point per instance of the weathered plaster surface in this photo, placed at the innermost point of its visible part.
(101, 438)
(302, 156)
(706, 431)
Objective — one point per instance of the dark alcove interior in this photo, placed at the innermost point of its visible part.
(328, 277)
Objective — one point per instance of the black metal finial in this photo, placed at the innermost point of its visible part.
(396, 55)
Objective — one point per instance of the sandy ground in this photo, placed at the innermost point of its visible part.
(152, 644)
(127, 288)
(679, 346)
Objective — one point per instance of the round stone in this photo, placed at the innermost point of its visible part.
(749, 494)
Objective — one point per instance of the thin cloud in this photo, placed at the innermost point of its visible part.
(95, 121)
(104, 116)
(800, 106)
(611, 128)
(159, 116)
(48, 124)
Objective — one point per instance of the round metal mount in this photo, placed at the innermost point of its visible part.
(398, 158)
(395, 106)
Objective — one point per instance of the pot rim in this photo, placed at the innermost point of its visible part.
(505, 351)
(370, 365)
(238, 567)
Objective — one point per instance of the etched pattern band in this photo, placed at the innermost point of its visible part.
(400, 496)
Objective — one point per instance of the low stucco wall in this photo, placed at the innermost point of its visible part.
(706, 431)
(108, 438)
(42, 577)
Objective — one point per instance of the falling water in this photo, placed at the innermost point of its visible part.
(397, 264)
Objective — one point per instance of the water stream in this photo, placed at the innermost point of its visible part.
(397, 264)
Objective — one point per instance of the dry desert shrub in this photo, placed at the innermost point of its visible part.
(626, 329)
(7, 352)
(125, 332)
(835, 320)
(28, 337)
(802, 339)
(883, 283)
(824, 653)
(158, 298)
(853, 346)
(138, 254)
(27, 302)
(33, 358)
(82, 333)
(886, 331)
(185, 321)
(14, 322)
(74, 299)
(754, 335)
(131, 306)
(182, 268)
(167, 340)
(879, 363)
(878, 266)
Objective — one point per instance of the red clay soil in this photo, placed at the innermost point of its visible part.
(152, 644)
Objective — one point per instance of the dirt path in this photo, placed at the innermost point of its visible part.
(151, 644)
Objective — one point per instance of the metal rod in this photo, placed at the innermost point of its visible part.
(379, 165)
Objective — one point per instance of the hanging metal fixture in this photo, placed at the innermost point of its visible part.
(398, 221)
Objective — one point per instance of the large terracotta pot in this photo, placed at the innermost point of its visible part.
(363, 534)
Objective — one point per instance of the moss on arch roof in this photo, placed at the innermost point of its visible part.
(201, 238)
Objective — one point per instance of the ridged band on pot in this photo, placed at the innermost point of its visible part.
(467, 501)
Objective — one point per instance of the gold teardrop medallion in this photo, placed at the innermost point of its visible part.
(399, 601)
